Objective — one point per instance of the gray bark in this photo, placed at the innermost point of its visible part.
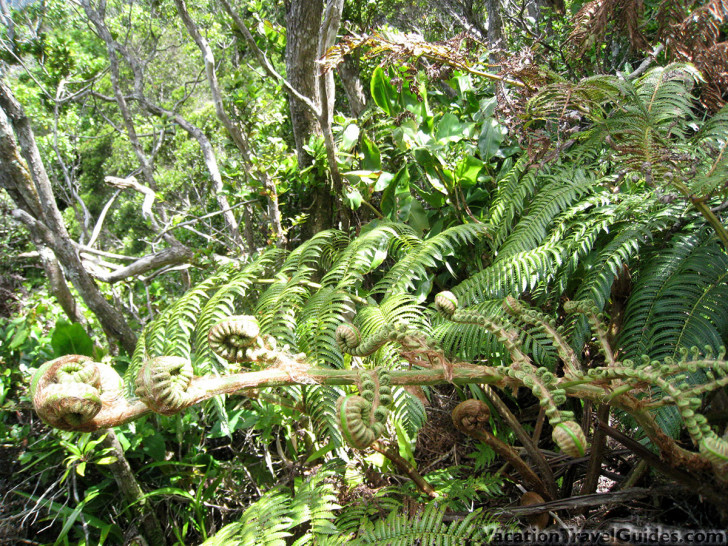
(236, 134)
(303, 20)
(349, 74)
(22, 173)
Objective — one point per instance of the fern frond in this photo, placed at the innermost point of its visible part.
(278, 305)
(679, 299)
(428, 525)
(318, 252)
(512, 276)
(318, 320)
(471, 342)
(266, 522)
(361, 256)
(320, 401)
(547, 204)
(514, 190)
(408, 410)
(430, 253)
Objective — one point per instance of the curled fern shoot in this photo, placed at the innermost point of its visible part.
(231, 338)
(570, 438)
(162, 384)
(70, 391)
(363, 418)
(548, 326)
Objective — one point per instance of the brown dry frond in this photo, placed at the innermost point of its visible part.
(591, 23)
(694, 35)
(405, 50)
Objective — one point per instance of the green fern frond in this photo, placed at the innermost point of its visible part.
(599, 278)
(318, 252)
(546, 205)
(320, 405)
(404, 530)
(678, 301)
(514, 190)
(264, 523)
(278, 305)
(272, 519)
(324, 311)
(362, 255)
(430, 253)
(408, 410)
(384, 501)
(512, 276)
(713, 140)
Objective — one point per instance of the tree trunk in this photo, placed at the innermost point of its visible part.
(349, 74)
(495, 23)
(303, 19)
(25, 177)
(132, 492)
(57, 283)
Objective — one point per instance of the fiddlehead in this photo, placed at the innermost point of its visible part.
(231, 338)
(350, 340)
(70, 391)
(362, 417)
(540, 381)
(470, 415)
(162, 384)
(570, 438)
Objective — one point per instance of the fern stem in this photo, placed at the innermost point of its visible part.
(704, 209)
(402, 463)
(549, 486)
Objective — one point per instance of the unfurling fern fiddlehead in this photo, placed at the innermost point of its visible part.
(676, 391)
(362, 417)
(233, 337)
(163, 382)
(70, 391)
(567, 434)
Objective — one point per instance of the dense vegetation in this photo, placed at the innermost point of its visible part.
(506, 216)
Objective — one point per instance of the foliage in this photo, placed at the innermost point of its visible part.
(615, 200)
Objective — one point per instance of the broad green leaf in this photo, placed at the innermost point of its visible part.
(449, 129)
(372, 157)
(490, 139)
(71, 339)
(396, 194)
(350, 137)
(353, 198)
(383, 93)
(468, 170)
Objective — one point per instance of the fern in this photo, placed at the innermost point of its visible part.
(405, 530)
(549, 202)
(514, 189)
(272, 519)
(678, 300)
(429, 254)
